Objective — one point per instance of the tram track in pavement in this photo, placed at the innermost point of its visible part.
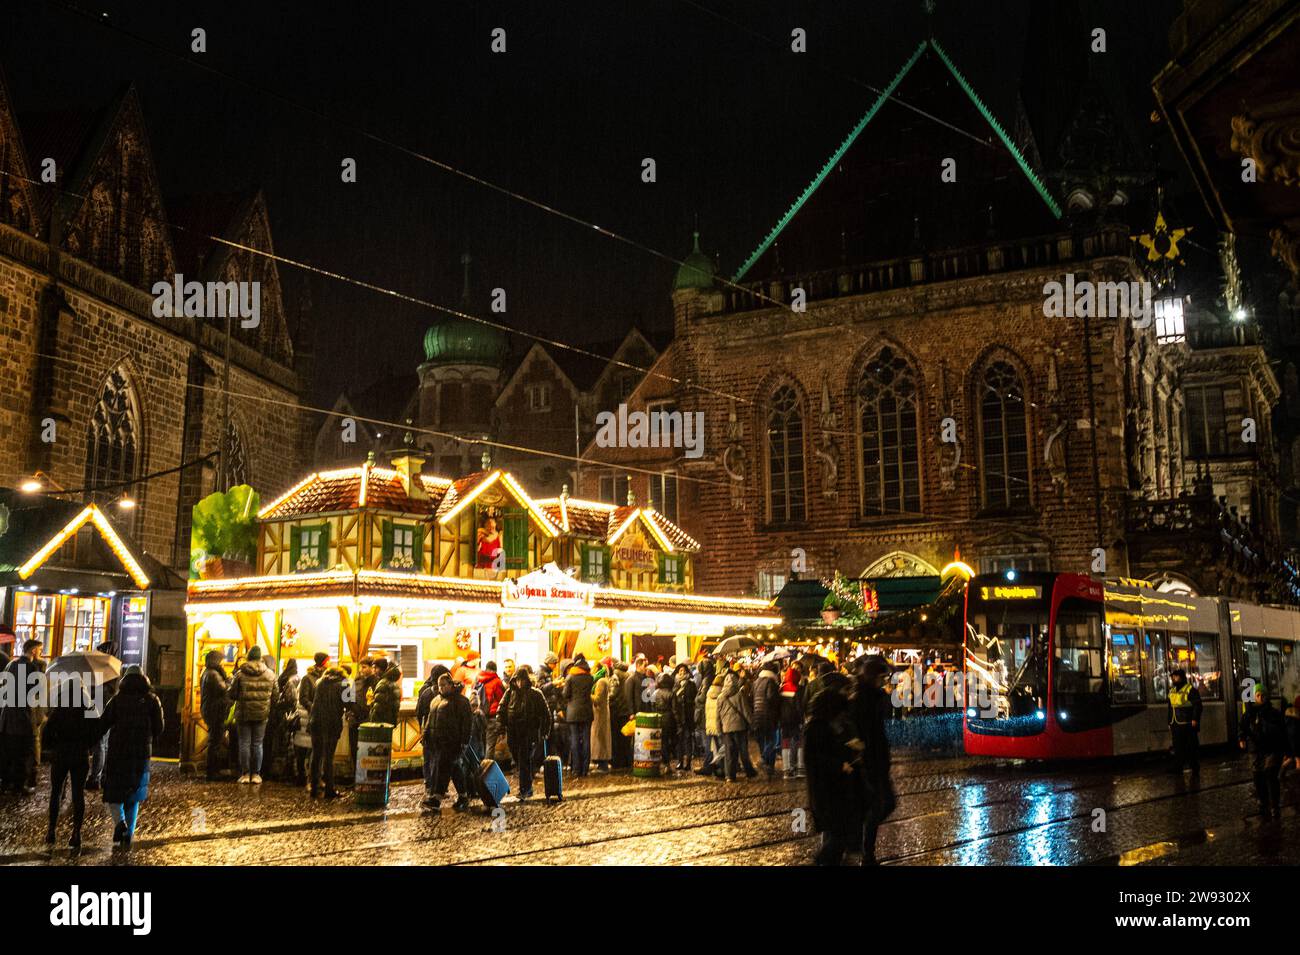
(677, 808)
(731, 821)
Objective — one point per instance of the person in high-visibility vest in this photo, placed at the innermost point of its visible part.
(1184, 722)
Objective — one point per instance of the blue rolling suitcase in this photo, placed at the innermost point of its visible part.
(553, 777)
(492, 784)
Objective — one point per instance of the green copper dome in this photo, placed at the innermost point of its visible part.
(696, 271)
(458, 341)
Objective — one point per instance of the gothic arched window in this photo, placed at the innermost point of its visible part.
(785, 477)
(889, 457)
(113, 441)
(1004, 441)
(237, 470)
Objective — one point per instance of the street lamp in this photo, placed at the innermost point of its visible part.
(38, 482)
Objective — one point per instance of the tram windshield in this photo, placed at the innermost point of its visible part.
(1006, 654)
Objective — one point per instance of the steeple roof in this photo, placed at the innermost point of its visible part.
(878, 194)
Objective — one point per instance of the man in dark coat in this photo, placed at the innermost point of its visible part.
(1263, 734)
(387, 700)
(17, 728)
(767, 713)
(1184, 722)
(214, 705)
(527, 721)
(869, 707)
(835, 771)
(578, 713)
(446, 734)
(332, 695)
(67, 738)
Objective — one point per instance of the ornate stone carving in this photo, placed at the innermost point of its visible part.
(1270, 135)
(827, 451)
(733, 458)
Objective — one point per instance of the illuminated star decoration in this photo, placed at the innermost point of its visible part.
(1161, 242)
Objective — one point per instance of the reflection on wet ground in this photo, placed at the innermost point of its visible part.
(951, 811)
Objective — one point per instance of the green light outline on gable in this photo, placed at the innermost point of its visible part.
(830, 163)
(1033, 178)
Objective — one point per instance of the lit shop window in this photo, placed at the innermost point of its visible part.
(85, 623)
(1169, 321)
(402, 546)
(595, 564)
(33, 620)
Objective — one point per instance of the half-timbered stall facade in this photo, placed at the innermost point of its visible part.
(376, 561)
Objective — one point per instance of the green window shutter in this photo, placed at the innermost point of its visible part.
(606, 558)
(388, 543)
(323, 555)
(295, 547)
(584, 560)
(419, 549)
(662, 561)
(516, 534)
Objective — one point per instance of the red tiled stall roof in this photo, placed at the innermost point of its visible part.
(594, 520)
(330, 491)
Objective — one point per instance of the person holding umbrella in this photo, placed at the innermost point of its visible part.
(70, 734)
(97, 669)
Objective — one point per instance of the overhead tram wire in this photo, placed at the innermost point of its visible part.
(330, 413)
(142, 479)
(410, 299)
(415, 154)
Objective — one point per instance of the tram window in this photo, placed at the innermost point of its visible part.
(1011, 645)
(1273, 670)
(1253, 657)
(1157, 672)
(1205, 657)
(1079, 674)
(1125, 669)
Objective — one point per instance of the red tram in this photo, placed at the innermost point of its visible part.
(1066, 666)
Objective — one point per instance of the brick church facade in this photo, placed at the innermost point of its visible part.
(97, 390)
(882, 390)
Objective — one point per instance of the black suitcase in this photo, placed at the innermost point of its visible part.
(553, 778)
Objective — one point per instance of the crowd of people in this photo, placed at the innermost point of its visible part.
(90, 744)
(718, 718)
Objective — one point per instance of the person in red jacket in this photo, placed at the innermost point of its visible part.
(490, 689)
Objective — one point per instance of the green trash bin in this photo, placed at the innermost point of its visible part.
(647, 745)
(374, 760)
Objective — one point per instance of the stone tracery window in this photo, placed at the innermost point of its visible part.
(889, 460)
(113, 441)
(785, 472)
(1004, 439)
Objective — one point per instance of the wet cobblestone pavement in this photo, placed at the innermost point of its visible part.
(951, 811)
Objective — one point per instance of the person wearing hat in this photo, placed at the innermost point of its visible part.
(253, 688)
(684, 715)
(1184, 722)
(602, 741)
(20, 721)
(214, 704)
(869, 707)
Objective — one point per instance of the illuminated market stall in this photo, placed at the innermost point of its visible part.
(372, 561)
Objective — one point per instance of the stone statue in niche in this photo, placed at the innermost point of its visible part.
(1054, 452)
(733, 458)
(949, 462)
(828, 451)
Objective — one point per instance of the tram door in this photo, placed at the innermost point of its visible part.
(1156, 671)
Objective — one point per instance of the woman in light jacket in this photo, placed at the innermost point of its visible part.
(602, 742)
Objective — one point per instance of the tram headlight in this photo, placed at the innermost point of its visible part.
(1063, 716)
(972, 713)
(1041, 715)
(1011, 573)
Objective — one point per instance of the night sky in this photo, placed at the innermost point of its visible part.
(736, 123)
